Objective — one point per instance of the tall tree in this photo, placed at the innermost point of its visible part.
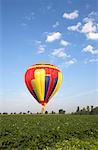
(78, 109)
(28, 111)
(92, 108)
(88, 109)
(94, 111)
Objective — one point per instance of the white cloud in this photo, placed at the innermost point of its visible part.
(74, 27)
(30, 16)
(87, 19)
(90, 49)
(91, 61)
(41, 49)
(70, 62)
(71, 15)
(49, 7)
(37, 42)
(56, 24)
(64, 43)
(90, 30)
(88, 27)
(23, 24)
(59, 53)
(92, 36)
(93, 14)
(53, 36)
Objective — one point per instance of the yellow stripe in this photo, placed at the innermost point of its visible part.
(33, 82)
(58, 84)
(42, 82)
(49, 66)
(39, 83)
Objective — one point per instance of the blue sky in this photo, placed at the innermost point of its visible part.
(64, 33)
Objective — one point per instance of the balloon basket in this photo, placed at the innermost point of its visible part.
(42, 109)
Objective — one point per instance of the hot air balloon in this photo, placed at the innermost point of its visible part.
(43, 81)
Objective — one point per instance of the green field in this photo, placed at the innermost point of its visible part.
(48, 132)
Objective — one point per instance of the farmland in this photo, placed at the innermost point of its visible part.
(48, 132)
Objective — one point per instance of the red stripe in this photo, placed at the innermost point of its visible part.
(42, 103)
(27, 81)
(44, 68)
(28, 77)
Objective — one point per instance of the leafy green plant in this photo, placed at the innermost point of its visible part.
(48, 132)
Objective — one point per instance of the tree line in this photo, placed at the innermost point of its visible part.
(89, 110)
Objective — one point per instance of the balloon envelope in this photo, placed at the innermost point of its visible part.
(43, 81)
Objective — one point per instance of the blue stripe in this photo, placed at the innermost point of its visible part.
(54, 85)
(47, 81)
(34, 94)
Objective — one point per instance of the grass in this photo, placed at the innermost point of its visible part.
(48, 132)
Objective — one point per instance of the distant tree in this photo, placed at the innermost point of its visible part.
(46, 112)
(88, 109)
(28, 111)
(64, 111)
(24, 113)
(83, 111)
(14, 112)
(61, 111)
(20, 113)
(94, 111)
(11, 113)
(52, 112)
(92, 108)
(5, 113)
(73, 113)
(78, 109)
